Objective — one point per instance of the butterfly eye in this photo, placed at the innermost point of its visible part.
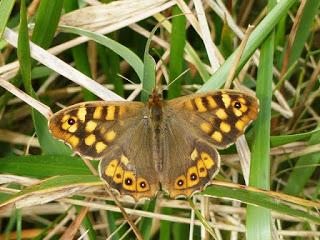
(71, 121)
(237, 105)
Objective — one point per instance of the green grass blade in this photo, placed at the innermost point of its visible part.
(311, 9)
(149, 70)
(33, 166)
(276, 141)
(5, 11)
(260, 227)
(258, 35)
(264, 200)
(47, 19)
(48, 144)
(124, 52)
(146, 223)
(177, 45)
(304, 168)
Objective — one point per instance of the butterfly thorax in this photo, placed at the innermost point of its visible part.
(155, 105)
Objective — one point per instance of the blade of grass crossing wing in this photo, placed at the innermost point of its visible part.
(258, 220)
(256, 38)
(177, 44)
(48, 144)
(301, 175)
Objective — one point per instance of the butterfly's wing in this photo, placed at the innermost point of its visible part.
(195, 126)
(119, 135)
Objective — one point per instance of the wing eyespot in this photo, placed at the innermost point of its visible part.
(71, 121)
(237, 105)
(128, 181)
(180, 183)
(193, 177)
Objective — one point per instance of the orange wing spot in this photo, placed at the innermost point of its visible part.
(212, 102)
(110, 113)
(217, 136)
(237, 112)
(206, 127)
(245, 119)
(124, 160)
(65, 118)
(97, 114)
(194, 155)
(111, 168)
(192, 176)
(225, 127)
(81, 114)
(73, 128)
(142, 185)
(65, 126)
(122, 111)
(242, 100)
(129, 181)
(221, 113)
(118, 175)
(181, 182)
(91, 126)
(240, 125)
(100, 146)
(110, 136)
(202, 170)
(226, 100)
(189, 105)
(243, 108)
(89, 140)
(207, 160)
(199, 104)
(74, 141)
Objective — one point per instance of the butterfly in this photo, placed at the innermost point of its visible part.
(168, 145)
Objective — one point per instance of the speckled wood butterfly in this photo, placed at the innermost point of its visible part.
(169, 145)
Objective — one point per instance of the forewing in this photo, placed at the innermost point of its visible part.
(90, 128)
(220, 117)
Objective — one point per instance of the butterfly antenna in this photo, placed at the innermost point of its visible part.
(181, 74)
(138, 85)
